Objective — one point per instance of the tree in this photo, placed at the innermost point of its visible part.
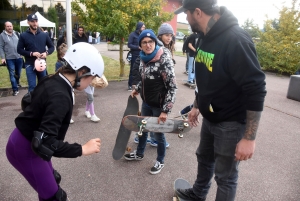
(252, 29)
(279, 47)
(59, 8)
(52, 15)
(5, 5)
(118, 18)
(35, 8)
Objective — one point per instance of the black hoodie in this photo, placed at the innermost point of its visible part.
(133, 40)
(228, 74)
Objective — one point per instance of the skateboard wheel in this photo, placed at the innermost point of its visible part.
(180, 135)
(140, 134)
(128, 149)
(186, 125)
(144, 122)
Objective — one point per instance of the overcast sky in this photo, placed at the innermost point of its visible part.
(252, 9)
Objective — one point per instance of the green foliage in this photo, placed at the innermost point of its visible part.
(5, 5)
(59, 8)
(279, 46)
(251, 28)
(118, 18)
(52, 15)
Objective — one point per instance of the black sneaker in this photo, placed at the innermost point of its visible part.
(157, 168)
(57, 176)
(129, 89)
(133, 157)
(188, 194)
(15, 93)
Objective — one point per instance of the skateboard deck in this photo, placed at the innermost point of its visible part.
(150, 124)
(182, 184)
(124, 134)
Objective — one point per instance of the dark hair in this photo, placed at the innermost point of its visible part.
(61, 51)
(67, 69)
(170, 46)
(212, 11)
(80, 27)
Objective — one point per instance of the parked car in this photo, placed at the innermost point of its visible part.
(179, 35)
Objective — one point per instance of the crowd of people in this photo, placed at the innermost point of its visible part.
(221, 61)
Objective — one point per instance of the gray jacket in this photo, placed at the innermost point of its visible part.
(8, 46)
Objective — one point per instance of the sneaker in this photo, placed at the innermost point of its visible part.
(15, 93)
(94, 118)
(88, 114)
(133, 157)
(19, 85)
(129, 89)
(190, 82)
(188, 194)
(71, 121)
(184, 116)
(153, 143)
(157, 168)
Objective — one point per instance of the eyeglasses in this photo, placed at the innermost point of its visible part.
(150, 42)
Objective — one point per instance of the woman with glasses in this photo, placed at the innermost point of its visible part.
(157, 87)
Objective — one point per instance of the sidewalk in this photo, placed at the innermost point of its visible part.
(272, 174)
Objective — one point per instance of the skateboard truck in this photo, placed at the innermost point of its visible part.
(142, 126)
(181, 128)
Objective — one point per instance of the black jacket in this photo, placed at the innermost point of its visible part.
(50, 112)
(228, 74)
(133, 42)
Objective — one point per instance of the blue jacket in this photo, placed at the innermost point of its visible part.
(133, 40)
(28, 42)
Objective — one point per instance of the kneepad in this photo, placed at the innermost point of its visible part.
(57, 176)
(60, 195)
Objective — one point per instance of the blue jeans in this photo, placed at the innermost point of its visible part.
(14, 67)
(160, 137)
(31, 76)
(133, 58)
(215, 155)
(191, 70)
(187, 62)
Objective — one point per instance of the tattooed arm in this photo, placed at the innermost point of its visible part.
(246, 146)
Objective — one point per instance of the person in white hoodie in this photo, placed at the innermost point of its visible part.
(8, 52)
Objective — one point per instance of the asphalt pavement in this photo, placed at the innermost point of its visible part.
(273, 174)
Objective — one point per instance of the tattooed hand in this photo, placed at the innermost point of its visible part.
(245, 148)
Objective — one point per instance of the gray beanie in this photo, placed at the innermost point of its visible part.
(165, 28)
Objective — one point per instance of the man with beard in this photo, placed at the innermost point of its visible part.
(80, 36)
(32, 45)
(231, 92)
(133, 44)
(9, 55)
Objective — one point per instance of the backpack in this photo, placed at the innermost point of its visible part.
(129, 56)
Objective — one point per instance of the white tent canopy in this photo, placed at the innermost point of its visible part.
(43, 22)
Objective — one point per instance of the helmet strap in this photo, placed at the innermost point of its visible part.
(78, 78)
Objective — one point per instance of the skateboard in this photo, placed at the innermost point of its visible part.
(182, 184)
(124, 134)
(192, 86)
(150, 124)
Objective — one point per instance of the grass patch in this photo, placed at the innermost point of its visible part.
(112, 71)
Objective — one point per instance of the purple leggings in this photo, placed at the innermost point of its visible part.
(37, 172)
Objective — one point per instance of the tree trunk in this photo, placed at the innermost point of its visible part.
(122, 63)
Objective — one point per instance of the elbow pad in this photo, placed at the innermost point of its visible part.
(38, 148)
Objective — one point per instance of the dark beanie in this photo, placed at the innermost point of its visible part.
(147, 33)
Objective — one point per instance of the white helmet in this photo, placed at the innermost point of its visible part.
(83, 54)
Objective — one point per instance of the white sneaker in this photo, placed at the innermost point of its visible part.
(71, 121)
(88, 114)
(94, 118)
